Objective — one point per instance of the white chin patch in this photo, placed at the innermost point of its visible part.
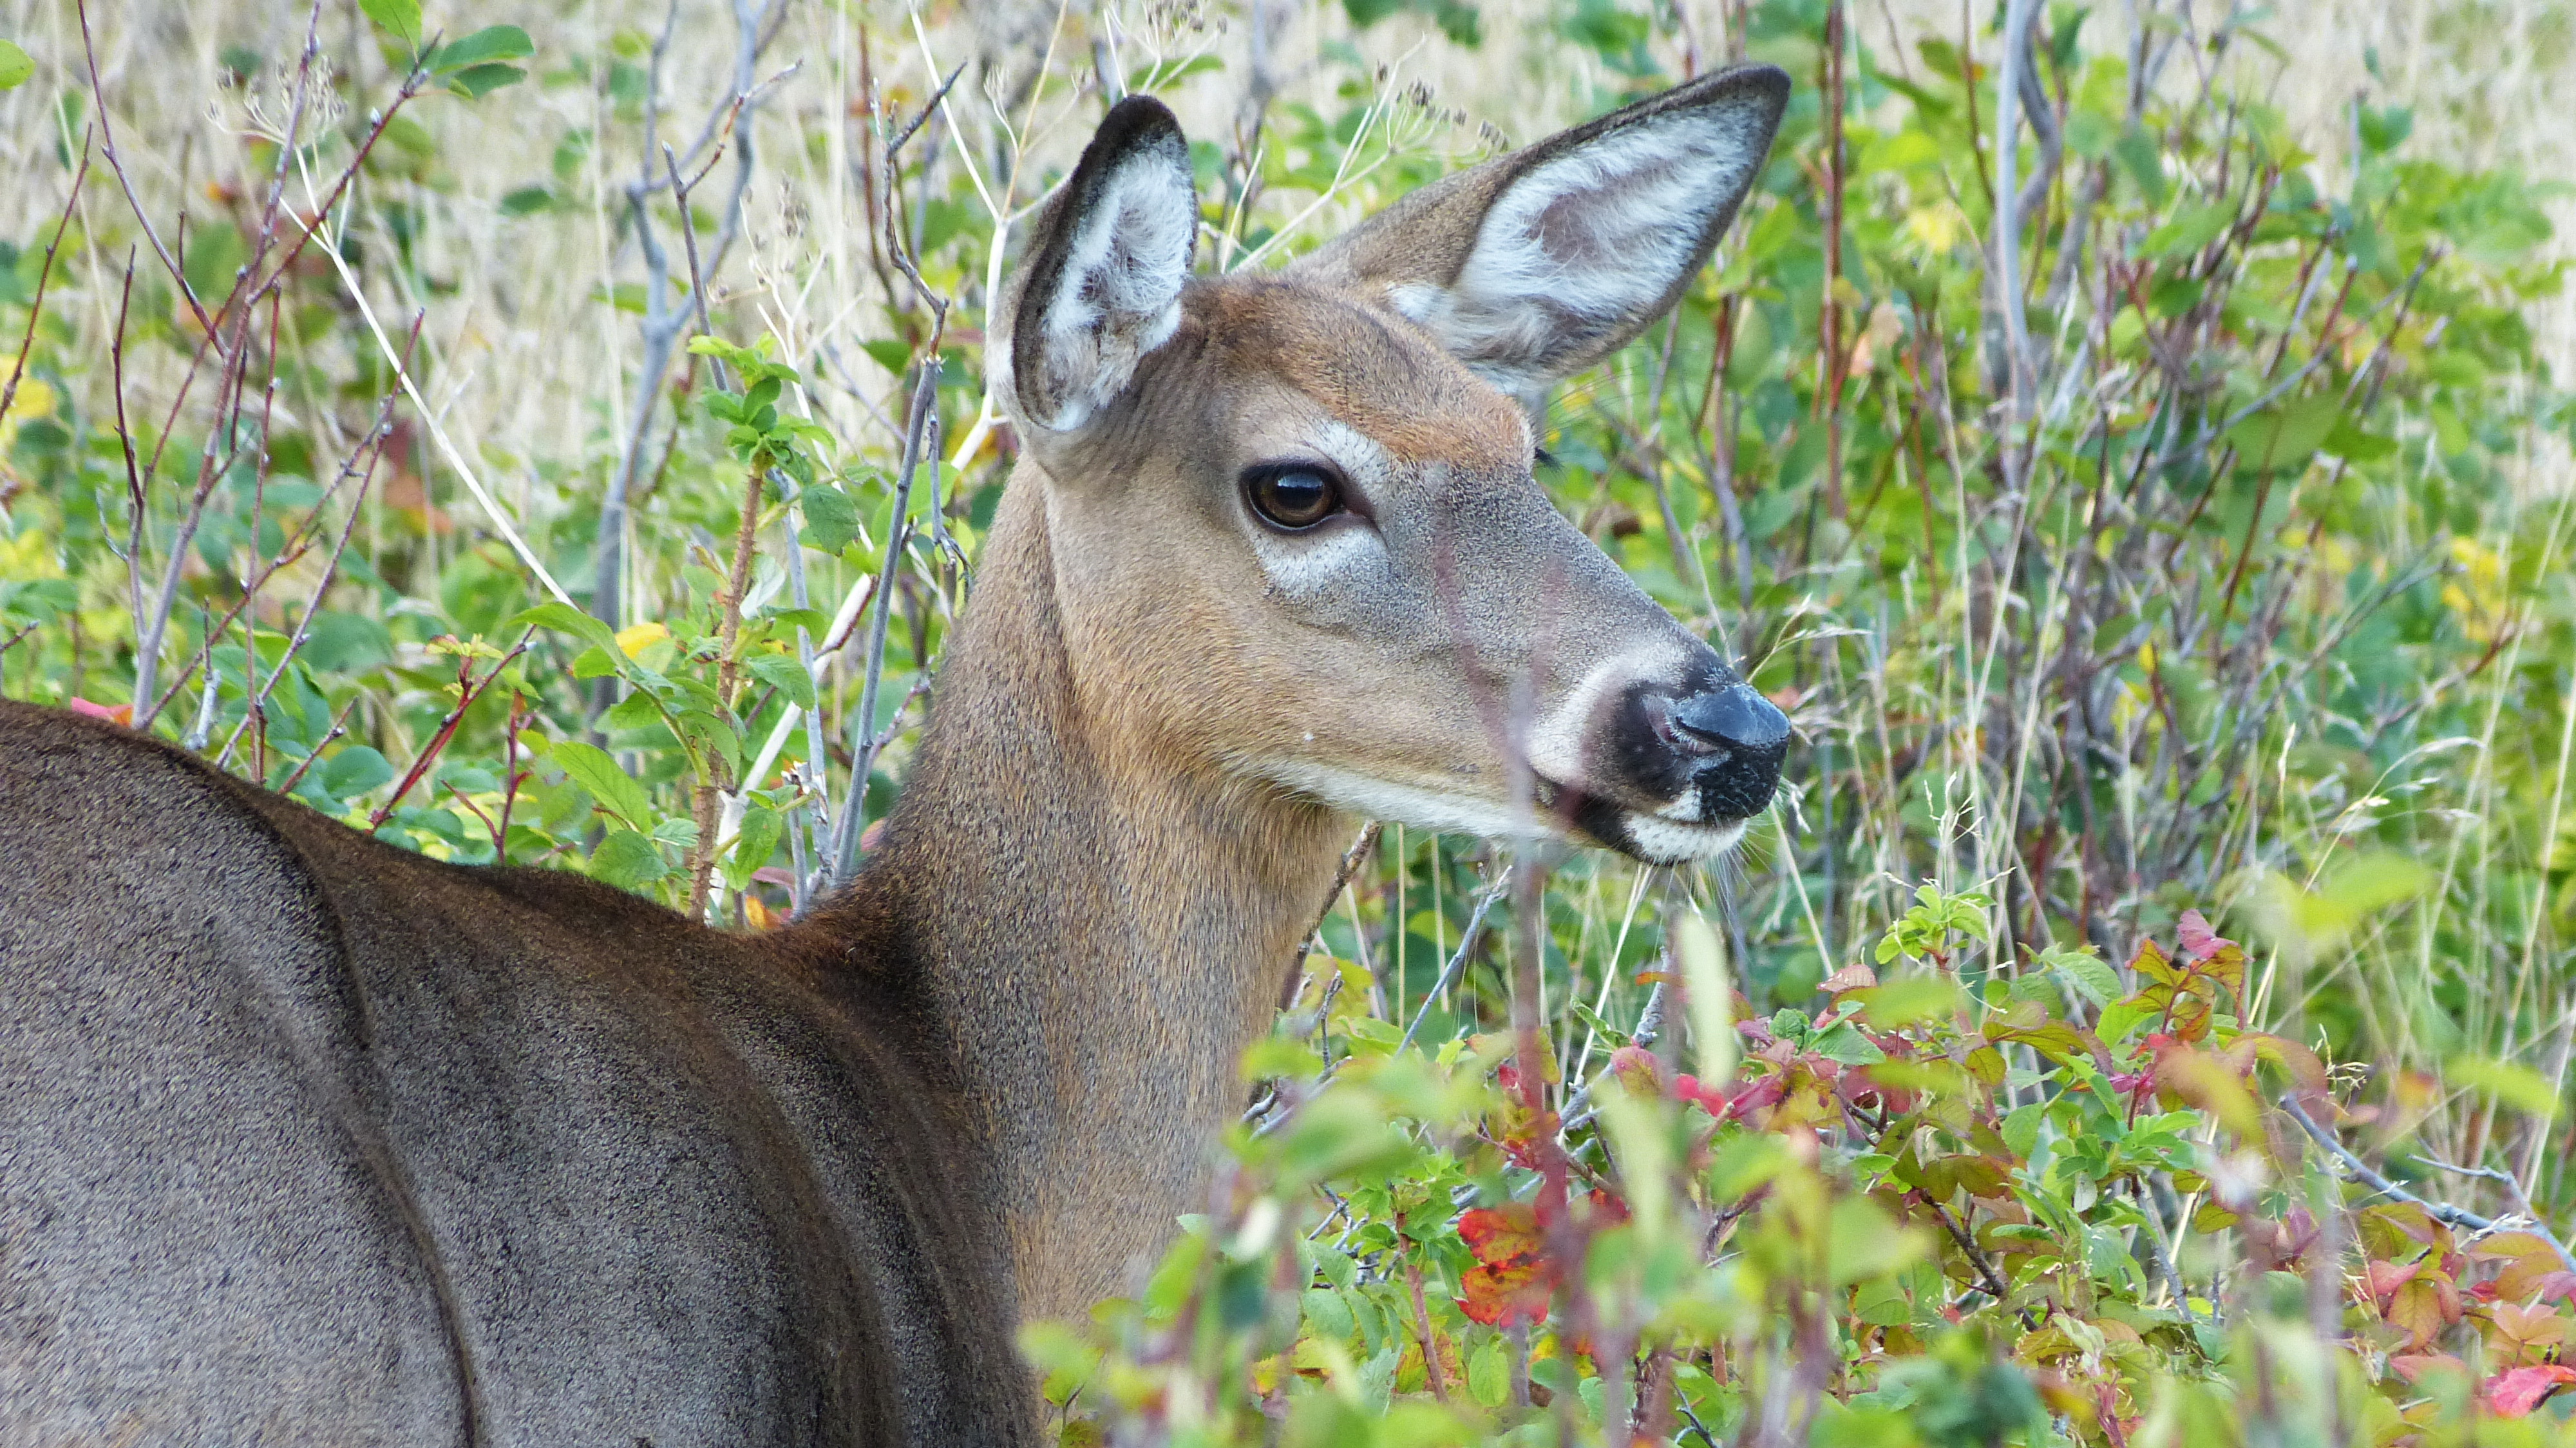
(1669, 842)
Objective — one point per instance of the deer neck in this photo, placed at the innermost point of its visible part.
(1100, 929)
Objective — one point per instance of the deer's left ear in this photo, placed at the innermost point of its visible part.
(1102, 286)
(1535, 265)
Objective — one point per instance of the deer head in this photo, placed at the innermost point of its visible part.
(1295, 534)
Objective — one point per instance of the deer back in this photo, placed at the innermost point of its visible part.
(308, 1139)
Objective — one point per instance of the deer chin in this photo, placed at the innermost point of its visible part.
(1413, 805)
(1660, 841)
(1650, 838)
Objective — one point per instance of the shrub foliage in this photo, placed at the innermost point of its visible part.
(2148, 522)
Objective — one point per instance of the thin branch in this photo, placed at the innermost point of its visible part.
(2443, 1212)
(468, 690)
(116, 164)
(1351, 859)
(1468, 938)
(36, 307)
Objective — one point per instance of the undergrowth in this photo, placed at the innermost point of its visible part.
(2156, 531)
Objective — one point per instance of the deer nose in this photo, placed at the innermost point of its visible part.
(1744, 736)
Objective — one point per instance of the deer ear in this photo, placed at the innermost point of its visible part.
(1112, 251)
(1535, 265)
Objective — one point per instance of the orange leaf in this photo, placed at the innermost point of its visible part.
(1855, 976)
(1498, 1293)
(1496, 1234)
(1511, 1278)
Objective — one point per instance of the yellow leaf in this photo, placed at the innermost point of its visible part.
(636, 638)
(35, 399)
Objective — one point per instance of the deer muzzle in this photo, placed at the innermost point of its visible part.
(1676, 771)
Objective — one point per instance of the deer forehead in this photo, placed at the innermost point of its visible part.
(1368, 368)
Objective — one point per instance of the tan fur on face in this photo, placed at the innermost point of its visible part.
(1470, 610)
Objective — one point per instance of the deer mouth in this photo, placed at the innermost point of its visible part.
(1655, 839)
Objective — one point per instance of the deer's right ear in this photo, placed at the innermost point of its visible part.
(1103, 284)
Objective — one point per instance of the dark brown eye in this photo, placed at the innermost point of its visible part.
(1294, 498)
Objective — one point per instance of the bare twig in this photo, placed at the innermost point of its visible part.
(1351, 859)
(36, 306)
(1468, 938)
(664, 324)
(2448, 1215)
(469, 689)
(116, 164)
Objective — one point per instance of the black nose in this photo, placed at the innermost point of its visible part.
(1745, 736)
(1735, 717)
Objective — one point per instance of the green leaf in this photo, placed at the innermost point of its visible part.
(2085, 973)
(596, 771)
(1593, 1021)
(565, 618)
(476, 82)
(758, 840)
(2187, 233)
(2138, 155)
(627, 860)
(2383, 130)
(831, 521)
(633, 712)
(16, 65)
(594, 663)
(1489, 1374)
(484, 47)
(2285, 437)
(2518, 1087)
(784, 673)
(354, 771)
(1909, 1000)
(398, 18)
(2121, 1018)
(2349, 442)
(1843, 1042)
(1281, 1056)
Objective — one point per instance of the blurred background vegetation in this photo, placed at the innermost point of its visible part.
(2163, 511)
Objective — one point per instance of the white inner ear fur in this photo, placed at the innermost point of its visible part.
(1587, 241)
(1119, 294)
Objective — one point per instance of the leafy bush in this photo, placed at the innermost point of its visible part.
(2152, 516)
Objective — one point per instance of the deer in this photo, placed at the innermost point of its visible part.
(308, 1139)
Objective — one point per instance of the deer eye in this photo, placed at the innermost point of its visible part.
(1292, 496)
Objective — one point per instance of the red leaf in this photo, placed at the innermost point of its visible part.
(2198, 940)
(2386, 1277)
(1636, 1068)
(2413, 1366)
(2514, 1393)
(112, 713)
(1723, 1103)
(1510, 1279)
